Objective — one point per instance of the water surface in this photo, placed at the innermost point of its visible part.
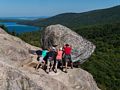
(18, 28)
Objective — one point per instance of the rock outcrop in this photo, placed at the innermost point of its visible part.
(14, 50)
(14, 79)
(61, 35)
(2, 31)
(15, 74)
(77, 79)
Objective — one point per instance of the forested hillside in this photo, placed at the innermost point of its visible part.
(14, 20)
(32, 38)
(73, 20)
(104, 64)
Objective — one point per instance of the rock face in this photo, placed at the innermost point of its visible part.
(77, 79)
(61, 35)
(14, 49)
(13, 79)
(16, 75)
(2, 31)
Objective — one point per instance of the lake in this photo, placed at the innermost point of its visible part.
(18, 28)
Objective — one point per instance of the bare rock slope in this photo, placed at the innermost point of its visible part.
(60, 35)
(14, 49)
(14, 79)
(15, 74)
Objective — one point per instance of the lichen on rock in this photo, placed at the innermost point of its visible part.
(61, 35)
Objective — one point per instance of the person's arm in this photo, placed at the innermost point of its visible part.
(71, 47)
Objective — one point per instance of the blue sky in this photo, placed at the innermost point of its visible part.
(19, 8)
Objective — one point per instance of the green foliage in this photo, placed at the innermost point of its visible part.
(6, 29)
(32, 38)
(13, 33)
(73, 20)
(104, 64)
(3, 27)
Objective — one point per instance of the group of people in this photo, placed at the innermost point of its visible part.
(52, 58)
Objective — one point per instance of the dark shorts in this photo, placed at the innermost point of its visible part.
(50, 58)
(67, 58)
(58, 61)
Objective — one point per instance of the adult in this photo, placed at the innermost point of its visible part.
(51, 59)
(58, 58)
(67, 56)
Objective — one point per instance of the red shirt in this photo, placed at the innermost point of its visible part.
(67, 50)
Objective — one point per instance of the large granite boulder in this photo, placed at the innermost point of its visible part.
(61, 35)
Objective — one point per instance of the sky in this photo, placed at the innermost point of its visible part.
(37, 8)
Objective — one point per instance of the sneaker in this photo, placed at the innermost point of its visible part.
(41, 66)
(55, 71)
(71, 67)
(47, 71)
(62, 69)
(66, 71)
(50, 70)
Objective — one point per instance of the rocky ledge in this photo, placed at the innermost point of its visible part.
(16, 74)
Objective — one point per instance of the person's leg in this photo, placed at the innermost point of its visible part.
(56, 66)
(71, 63)
(37, 65)
(52, 63)
(66, 63)
(40, 62)
(62, 63)
(43, 64)
(48, 66)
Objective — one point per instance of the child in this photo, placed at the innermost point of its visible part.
(58, 58)
(41, 57)
(51, 58)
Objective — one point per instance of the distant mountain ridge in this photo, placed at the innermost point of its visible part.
(22, 18)
(108, 15)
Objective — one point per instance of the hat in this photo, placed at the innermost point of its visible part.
(53, 48)
(60, 48)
